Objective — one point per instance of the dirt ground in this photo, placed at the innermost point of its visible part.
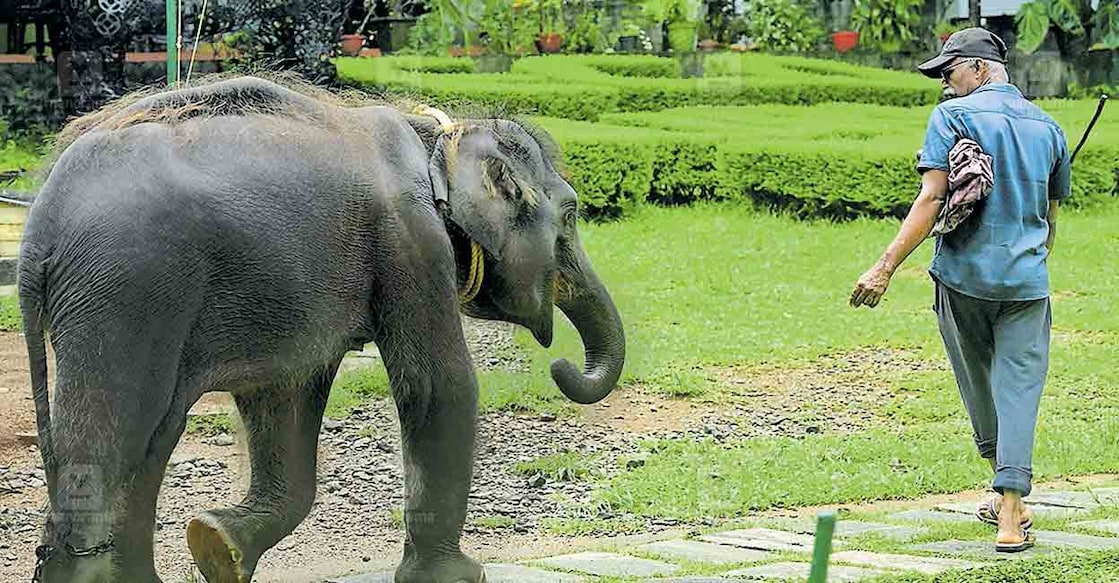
(354, 525)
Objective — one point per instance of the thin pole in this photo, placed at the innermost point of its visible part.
(825, 528)
(172, 42)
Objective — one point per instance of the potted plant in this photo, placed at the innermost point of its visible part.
(629, 39)
(682, 18)
(549, 14)
(351, 44)
(845, 40)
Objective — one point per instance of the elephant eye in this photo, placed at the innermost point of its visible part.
(569, 215)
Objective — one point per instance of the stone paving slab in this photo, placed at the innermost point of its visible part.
(932, 515)
(980, 550)
(1039, 510)
(495, 573)
(764, 539)
(1106, 496)
(697, 579)
(1065, 499)
(704, 552)
(1080, 541)
(1104, 525)
(852, 528)
(925, 565)
(800, 571)
(610, 564)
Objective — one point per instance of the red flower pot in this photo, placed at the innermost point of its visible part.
(351, 44)
(550, 43)
(845, 40)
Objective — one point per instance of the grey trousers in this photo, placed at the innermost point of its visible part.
(1000, 356)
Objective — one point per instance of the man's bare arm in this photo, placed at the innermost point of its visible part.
(915, 229)
(1052, 219)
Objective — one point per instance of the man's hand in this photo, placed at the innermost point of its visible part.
(916, 227)
(871, 287)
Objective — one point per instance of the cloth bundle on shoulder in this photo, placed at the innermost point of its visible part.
(970, 180)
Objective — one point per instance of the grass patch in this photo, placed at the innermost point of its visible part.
(1064, 567)
(210, 424)
(352, 388)
(10, 318)
(592, 526)
(561, 467)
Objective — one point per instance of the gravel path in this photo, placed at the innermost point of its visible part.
(355, 525)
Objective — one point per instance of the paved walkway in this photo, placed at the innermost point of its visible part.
(783, 553)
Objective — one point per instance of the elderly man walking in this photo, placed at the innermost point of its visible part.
(990, 273)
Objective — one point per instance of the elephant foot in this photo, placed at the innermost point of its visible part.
(219, 559)
(455, 568)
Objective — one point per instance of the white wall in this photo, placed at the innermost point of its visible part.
(958, 8)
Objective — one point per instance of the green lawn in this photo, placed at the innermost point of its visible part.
(722, 285)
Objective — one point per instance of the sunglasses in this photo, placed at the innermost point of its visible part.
(946, 72)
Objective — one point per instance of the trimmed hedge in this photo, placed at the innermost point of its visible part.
(583, 87)
(835, 160)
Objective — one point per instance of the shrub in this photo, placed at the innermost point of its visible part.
(583, 87)
(835, 160)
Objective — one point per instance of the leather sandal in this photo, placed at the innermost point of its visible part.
(1028, 541)
(987, 513)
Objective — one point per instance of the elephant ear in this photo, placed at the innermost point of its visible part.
(478, 187)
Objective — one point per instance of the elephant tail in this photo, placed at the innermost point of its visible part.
(32, 294)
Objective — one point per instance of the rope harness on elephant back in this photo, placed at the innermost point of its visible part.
(476, 272)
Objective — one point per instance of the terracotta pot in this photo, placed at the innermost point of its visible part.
(845, 40)
(708, 45)
(351, 44)
(476, 51)
(456, 51)
(550, 42)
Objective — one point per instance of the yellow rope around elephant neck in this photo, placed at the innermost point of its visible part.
(477, 272)
(477, 260)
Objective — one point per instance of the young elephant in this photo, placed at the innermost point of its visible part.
(241, 236)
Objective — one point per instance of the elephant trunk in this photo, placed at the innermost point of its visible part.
(589, 307)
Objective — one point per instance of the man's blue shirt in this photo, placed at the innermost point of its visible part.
(999, 252)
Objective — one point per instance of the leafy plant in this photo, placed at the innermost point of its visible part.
(887, 25)
(782, 25)
(587, 31)
(658, 11)
(1105, 25)
(1073, 17)
(946, 28)
(548, 14)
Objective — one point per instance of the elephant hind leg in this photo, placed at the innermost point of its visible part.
(283, 428)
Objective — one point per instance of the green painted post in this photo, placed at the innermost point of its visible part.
(825, 528)
(172, 42)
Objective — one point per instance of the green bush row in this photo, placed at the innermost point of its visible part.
(836, 160)
(582, 87)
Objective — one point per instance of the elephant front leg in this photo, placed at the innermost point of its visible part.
(437, 417)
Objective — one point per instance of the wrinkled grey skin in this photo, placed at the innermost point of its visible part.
(248, 254)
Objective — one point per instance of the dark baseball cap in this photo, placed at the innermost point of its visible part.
(974, 43)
